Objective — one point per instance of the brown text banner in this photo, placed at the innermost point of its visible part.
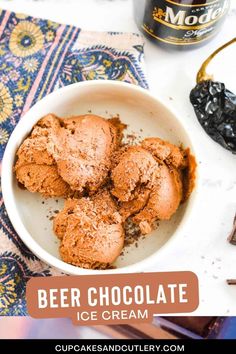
(113, 299)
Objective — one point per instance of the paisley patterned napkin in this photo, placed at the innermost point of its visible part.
(36, 57)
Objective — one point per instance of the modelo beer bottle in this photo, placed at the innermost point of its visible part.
(180, 24)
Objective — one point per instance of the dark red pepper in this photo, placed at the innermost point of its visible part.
(215, 106)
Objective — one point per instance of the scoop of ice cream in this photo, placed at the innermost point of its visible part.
(35, 167)
(164, 151)
(91, 231)
(82, 147)
(164, 199)
(136, 168)
(148, 182)
(177, 157)
(62, 155)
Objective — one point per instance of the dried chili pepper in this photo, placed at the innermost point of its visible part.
(215, 106)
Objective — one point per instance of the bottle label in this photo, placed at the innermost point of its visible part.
(182, 24)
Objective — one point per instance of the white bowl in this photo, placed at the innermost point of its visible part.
(145, 115)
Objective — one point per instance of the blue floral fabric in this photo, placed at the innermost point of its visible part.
(36, 57)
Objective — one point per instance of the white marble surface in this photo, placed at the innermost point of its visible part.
(171, 76)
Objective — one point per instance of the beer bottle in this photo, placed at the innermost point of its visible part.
(180, 24)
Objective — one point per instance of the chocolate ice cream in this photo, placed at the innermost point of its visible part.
(65, 155)
(136, 168)
(36, 169)
(108, 186)
(82, 148)
(91, 231)
(164, 199)
(151, 180)
(163, 151)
